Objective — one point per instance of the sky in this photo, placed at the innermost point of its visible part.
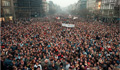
(64, 3)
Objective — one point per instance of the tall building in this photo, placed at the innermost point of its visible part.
(117, 9)
(107, 7)
(28, 8)
(7, 10)
(15, 7)
(52, 8)
(72, 6)
(45, 6)
(97, 7)
(98, 4)
(83, 4)
(91, 4)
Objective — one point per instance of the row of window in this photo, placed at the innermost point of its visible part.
(108, 1)
(6, 11)
(28, 5)
(108, 12)
(5, 3)
(107, 7)
(27, 9)
(30, 1)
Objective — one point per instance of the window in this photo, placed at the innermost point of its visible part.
(5, 3)
(16, 8)
(7, 11)
(15, 4)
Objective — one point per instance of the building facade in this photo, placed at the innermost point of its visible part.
(91, 4)
(83, 4)
(7, 10)
(45, 6)
(117, 9)
(28, 8)
(107, 7)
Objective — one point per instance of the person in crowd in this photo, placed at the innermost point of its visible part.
(36, 44)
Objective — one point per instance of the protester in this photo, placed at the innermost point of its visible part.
(46, 45)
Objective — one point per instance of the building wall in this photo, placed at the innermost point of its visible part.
(78, 4)
(83, 4)
(28, 8)
(118, 2)
(91, 5)
(94, 6)
(45, 6)
(107, 7)
(7, 10)
(117, 9)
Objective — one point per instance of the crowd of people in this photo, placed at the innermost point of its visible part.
(47, 45)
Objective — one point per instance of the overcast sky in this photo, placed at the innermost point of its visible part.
(64, 3)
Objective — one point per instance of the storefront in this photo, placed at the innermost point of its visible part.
(2, 19)
(6, 19)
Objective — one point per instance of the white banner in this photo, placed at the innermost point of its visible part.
(75, 17)
(68, 25)
(57, 17)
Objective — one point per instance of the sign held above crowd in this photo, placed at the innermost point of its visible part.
(68, 25)
(75, 17)
(57, 17)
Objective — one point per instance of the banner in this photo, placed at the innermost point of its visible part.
(75, 17)
(57, 17)
(68, 25)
